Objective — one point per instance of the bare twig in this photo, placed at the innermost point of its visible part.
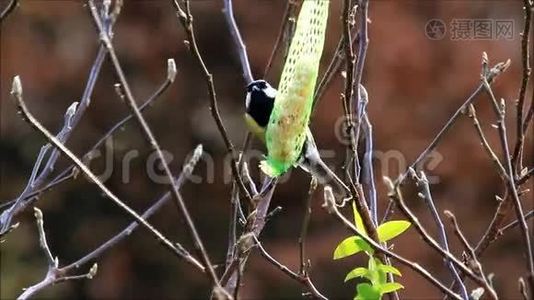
(42, 238)
(184, 175)
(472, 254)
(291, 6)
(485, 143)
(17, 93)
(70, 171)
(511, 225)
(232, 230)
(149, 136)
(254, 227)
(517, 160)
(186, 19)
(426, 195)
(8, 9)
(303, 279)
(333, 68)
(523, 288)
(492, 75)
(396, 196)
(248, 179)
(363, 10)
(305, 224)
(528, 174)
(21, 203)
(330, 206)
(63, 272)
(352, 147)
(529, 116)
(492, 231)
(238, 41)
(54, 275)
(511, 184)
(368, 177)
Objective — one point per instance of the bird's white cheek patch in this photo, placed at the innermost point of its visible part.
(247, 100)
(270, 92)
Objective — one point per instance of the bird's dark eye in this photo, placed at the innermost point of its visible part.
(263, 85)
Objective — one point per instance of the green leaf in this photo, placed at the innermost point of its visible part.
(358, 218)
(367, 292)
(358, 272)
(390, 269)
(351, 246)
(391, 229)
(390, 287)
(376, 275)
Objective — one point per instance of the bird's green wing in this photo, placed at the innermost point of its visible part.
(286, 131)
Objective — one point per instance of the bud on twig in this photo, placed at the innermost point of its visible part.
(16, 88)
(171, 70)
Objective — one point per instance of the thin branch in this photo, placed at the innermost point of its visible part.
(238, 41)
(53, 275)
(8, 9)
(7, 216)
(291, 6)
(505, 203)
(186, 19)
(62, 274)
(529, 116)
(511, 185)
(528, 174)
(303, 279)
(70, 172)
(21, 203)
(333, 68)
(232, 230)
(396, 196)
(184, 175)
(248, 179)
(330, 206)
(426, 195)
(304, 229)
(149, 136)
(523, 288)
(492, 232)
(473, 115)
(472, 254)
(254, 227)
(17, 94)
(363, 9)
(368, 177)
(346, 98)
(52, 262)
(511, 225)
(492, 75)
(517, 160)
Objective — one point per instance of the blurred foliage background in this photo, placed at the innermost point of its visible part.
(414, 85)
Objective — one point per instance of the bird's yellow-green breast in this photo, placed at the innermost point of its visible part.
(255, 128)
(288, 123)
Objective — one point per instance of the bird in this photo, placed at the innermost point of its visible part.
(259, 102)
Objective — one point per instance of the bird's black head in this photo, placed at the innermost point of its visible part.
(257, 85)
(260, 101)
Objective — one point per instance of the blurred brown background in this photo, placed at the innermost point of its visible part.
(414, 85)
